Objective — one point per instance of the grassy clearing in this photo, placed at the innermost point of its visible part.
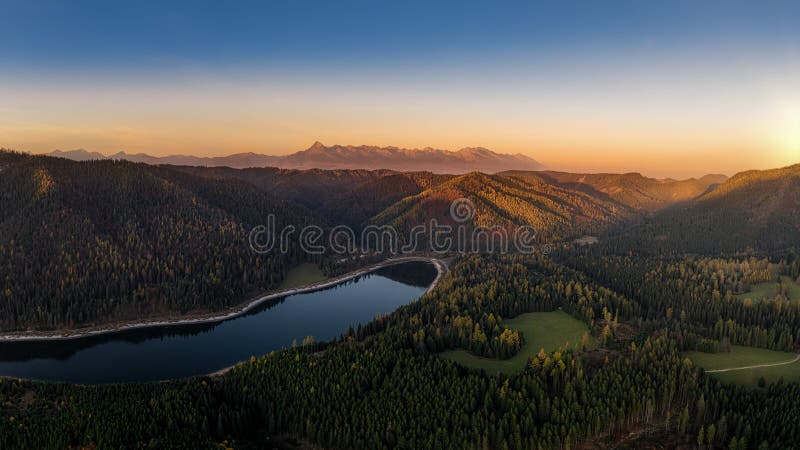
(770, 290)
(794, 288)
(748, 356)
(548, 330)
(302, 275)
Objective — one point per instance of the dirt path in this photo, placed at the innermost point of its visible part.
(785, 363)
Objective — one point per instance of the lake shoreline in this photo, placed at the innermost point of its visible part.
(441, 269)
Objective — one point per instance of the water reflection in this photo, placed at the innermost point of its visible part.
(178, 351)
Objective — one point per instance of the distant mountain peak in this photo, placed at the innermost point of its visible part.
(320, 156)
(317, 145)
(79, 154)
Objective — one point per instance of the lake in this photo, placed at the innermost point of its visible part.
(162, 353)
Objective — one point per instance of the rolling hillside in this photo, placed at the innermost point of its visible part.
(557, 204)
(92, 242)
(348, 197)
(631, 189)
(554, 211)
(753, 210)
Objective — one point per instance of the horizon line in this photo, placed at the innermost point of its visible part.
(544, 168)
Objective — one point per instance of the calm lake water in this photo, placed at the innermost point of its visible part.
(175, 352)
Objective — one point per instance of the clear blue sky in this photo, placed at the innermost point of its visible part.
(513, 76)
(107, 35)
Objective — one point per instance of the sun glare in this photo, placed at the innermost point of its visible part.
(786, 137)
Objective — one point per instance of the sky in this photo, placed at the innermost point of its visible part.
(677, 88)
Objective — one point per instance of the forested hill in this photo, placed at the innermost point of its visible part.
(560, 204)
(556, 212)
(752, 211)
(83, 243)
(348, 197)
(631, 189)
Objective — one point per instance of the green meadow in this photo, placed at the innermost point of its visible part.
(302, 275)
(740, 356)
(547, 330)
(770, 290)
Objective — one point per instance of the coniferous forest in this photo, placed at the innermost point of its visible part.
(96, 242)
(103, 241)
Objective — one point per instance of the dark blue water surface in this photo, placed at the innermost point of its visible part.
(180, 351)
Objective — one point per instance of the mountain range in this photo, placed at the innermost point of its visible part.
(320, 156)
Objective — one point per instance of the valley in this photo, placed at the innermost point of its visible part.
(317, 313)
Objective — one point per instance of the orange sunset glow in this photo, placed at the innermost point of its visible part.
(657, 106)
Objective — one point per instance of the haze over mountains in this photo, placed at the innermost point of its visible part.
(753, 210)
(319, 156)
(631, 189)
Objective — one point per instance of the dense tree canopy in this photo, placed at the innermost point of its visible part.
(382, 386)
(101, 241)
(82, 243)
